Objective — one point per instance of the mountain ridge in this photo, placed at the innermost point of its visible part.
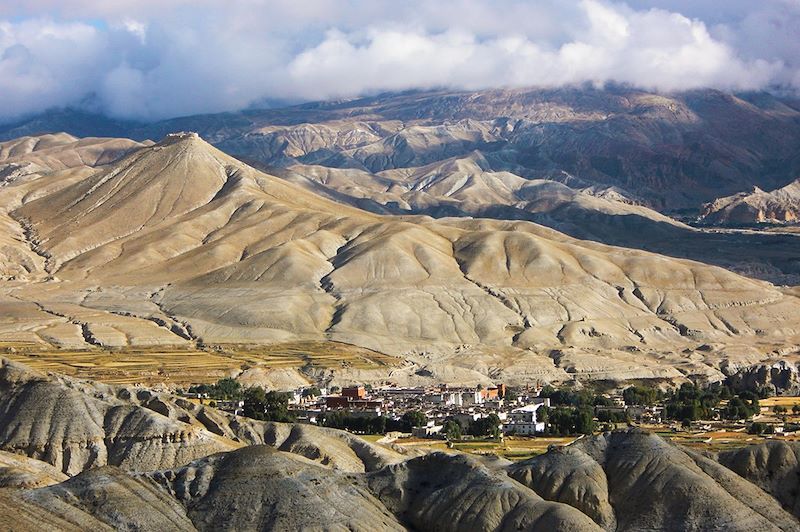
(182, 232)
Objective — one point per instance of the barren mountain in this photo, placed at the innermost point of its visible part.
(467, 187)
(674, 150)
(779, 206)
(179, 242)
(76, 425)
(620, 154)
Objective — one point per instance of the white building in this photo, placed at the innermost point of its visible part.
(429, 430)
(444, 398)
(523, 420)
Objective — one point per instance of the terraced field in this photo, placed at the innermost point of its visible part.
(178, 367)
(513, 448)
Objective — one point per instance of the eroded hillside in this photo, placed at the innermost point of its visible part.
(172, 464)
(178, 243)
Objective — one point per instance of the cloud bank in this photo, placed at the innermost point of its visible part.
(150, 60)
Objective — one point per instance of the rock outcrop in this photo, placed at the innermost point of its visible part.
(73, 430)
(746, 208)
(138, 474)
(773, 466)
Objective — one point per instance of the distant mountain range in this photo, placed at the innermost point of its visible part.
(757, 206)
(604, 165)
(665, 151)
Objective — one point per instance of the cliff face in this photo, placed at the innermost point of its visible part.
(73, 430)
(773, 466)
(78, 425)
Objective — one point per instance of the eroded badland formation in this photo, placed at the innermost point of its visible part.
(178, 243)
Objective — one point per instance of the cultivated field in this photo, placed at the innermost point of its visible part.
(180, 367)
(512, 447)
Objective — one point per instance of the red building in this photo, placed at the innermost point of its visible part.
(354, 392)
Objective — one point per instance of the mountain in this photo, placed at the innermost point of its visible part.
(286, 477)
(623, 158)
(178, 244)
(779, 206)
(465, 187)
(669, 150)
(28, 158)
(635, 480)
(73, 121)
(76, 425)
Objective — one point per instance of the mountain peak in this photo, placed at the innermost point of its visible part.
(180, 137)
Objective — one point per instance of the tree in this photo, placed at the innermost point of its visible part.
(796, 409)
(778, 409)
(486, 426)
(312, 392)
(611, 416)
(760, 428)
(226, 388)
(640, 395)
(743, 406)
(229, 388)
(510, 395)
(547, 391)
(543, 414)
(584, 420)
(266, 406)
(452, 429)
(601, 400)
(414, 418)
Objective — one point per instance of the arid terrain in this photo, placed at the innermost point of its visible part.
(368, 265)
(115, 246)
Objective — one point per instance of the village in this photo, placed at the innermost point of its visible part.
(485, 419)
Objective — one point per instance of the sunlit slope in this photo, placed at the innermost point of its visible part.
(241, 256)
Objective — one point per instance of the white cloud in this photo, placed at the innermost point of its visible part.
(149, 59)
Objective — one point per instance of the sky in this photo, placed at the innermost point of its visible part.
(155, 59)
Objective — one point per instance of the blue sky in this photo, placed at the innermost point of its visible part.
(151, 59)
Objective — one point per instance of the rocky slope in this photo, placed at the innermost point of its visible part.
(779, 206)
(637, 481)
(273, 476)
(179, 242)
(772, 466)
(621, 155)
(76, 425)
(26, 159)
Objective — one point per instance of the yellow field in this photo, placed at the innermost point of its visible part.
(190, 366)
(317, 354)
(514, 448)
(788, 402)
(717, 440)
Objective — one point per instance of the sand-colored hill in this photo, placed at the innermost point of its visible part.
(60, 151)
(155, 468)
(180, 242)
(773, 466)
(779, 206)
(75, 425)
